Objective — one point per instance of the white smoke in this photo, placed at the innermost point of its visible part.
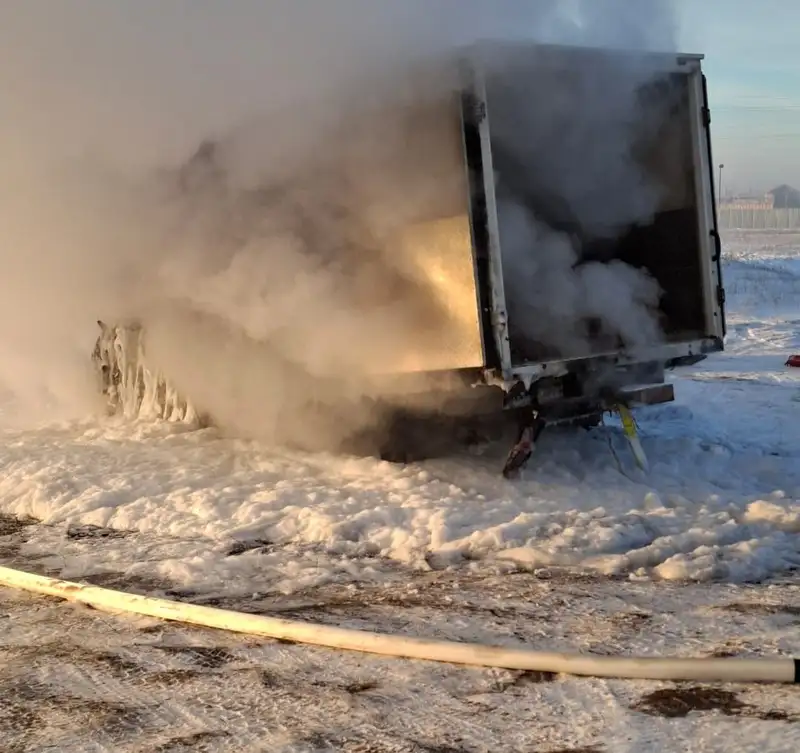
(565, 140)
(99, 97)
(554, 297)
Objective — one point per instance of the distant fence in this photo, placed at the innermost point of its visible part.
(731, 218)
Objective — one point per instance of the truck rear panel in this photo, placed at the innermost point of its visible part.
(610, 152)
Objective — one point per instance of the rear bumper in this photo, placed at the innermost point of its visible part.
(647, 394)
(570, 410)
(670, 355)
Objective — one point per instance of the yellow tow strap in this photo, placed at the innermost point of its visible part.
(632, 435)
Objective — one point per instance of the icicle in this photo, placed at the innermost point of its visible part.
(133, 389)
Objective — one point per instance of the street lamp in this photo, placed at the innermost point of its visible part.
(719, 185)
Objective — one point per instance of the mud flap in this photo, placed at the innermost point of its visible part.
(529, 434)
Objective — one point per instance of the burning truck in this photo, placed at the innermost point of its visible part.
(545, 223)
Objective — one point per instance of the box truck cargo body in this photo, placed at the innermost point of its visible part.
(552, 235)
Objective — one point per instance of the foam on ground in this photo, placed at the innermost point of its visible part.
(722, 500)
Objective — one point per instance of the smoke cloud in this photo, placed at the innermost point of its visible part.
(573, 149)
(254, 269)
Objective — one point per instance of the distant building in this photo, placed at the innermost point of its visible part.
(750, 202)
(785, 197)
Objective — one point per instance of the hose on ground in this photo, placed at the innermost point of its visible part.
(766, 670)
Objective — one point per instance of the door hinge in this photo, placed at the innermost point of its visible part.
(721, 296)
(706, 117)
(474, 108)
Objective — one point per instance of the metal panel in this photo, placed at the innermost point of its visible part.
(662, 353)
(416, 193)
(496, 282)
(710, 243)
(438, 257)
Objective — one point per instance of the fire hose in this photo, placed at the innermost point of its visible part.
(762, 670)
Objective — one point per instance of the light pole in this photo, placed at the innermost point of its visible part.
(719, 185)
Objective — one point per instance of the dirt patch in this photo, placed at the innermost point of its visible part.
(207, 657)
(630, 622)
(273, 681)
(16, 717)
(523, 679)
(169, 678)
(734, 647)
(367, 602)
(351, 688)
(361, 686)
(724, 653)
(767, 610)
(83, 532)
(8, 553)
(116, 665)
(320, 742)
(503, 598)
(44, 653)
(677, 703)
(13, 535)
(14, 748)
(140, 584)
(195, 743)
(262, 546)
(28, 706)
(11, 525)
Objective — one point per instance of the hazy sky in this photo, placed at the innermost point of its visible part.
(109, 67)
(753, 66)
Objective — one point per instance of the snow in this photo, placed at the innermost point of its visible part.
(721, 500)
(584, 553)
(172, 682)
(718, 504)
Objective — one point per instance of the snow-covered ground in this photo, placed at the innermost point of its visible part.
(584, 552)
(72, 679)
(720, 502)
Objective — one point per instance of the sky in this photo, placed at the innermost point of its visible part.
(753, 66)
(111, 65)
